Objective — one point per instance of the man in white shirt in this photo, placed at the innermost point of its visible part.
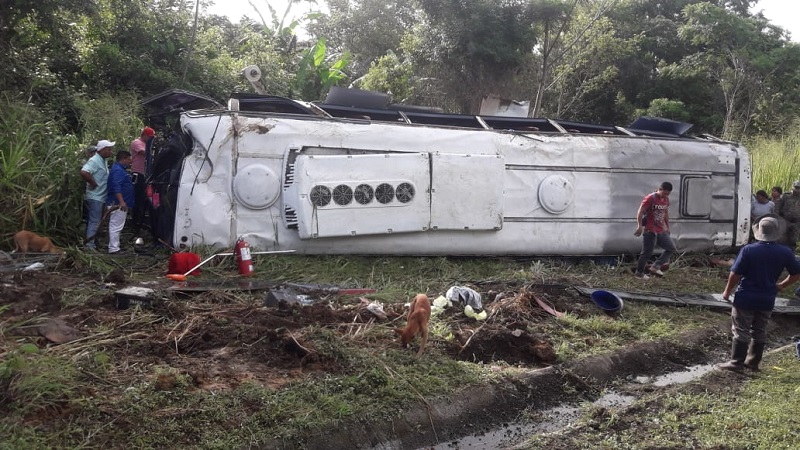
(95, 174)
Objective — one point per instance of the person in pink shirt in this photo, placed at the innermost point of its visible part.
(652, 223)
(138, 166)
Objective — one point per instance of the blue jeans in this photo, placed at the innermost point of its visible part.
(649, 241)
(94, 211)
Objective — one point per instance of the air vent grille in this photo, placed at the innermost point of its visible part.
(384, 193)
(342, 195)
(405, 192)
(290, 217)
(320, 196)
(364, 194)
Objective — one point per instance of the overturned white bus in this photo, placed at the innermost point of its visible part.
(332, 178)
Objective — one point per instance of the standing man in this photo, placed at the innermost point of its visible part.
(95, 174)
(138, 165)
(120, 199)
(652, 223)
(788, 207)
(754, 275)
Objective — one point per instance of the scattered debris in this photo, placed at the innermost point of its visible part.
(465, 296)
(56, 331)
(34, 266)
(607, 301)
(285, 297)
(376, 308)
(782, 305)
(134, 296)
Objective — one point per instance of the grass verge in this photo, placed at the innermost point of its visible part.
(107, 391)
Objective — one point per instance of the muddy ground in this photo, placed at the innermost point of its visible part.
(221, 341)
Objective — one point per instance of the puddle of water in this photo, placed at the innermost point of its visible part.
(614, 400)
(551, 420)
(691, 373)
(562, 416)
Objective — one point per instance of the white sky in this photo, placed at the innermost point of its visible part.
(784, 13)
(235, 9)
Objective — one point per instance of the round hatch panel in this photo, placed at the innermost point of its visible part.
(256, 186)
(555, 194)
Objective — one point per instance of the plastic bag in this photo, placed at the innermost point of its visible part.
(465, 296)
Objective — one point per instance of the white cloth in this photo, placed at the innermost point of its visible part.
(116, 222)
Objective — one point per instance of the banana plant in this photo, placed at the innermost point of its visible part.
(317, 71)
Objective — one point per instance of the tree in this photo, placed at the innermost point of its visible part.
(465, 50)
(367, 29)
(735, 53)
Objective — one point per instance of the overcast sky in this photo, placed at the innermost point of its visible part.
(784, 13)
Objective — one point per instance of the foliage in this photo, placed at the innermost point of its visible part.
(667, 109)
(318, 71)
(367, 29)
(466, 50)
(39, 187)
(390, 74)
(775, 160)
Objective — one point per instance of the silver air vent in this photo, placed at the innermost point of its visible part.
(384, 193)
(320, 196)
(364, 194)
(405, 192)
(342, 195)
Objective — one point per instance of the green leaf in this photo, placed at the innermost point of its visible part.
(319, 52)
(28, 348)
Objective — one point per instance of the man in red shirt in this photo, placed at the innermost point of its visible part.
(138, 162)
(652, 223)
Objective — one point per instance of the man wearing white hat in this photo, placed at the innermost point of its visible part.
(95, 174)
(754, 275)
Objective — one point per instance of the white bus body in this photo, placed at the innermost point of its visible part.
(327, 185)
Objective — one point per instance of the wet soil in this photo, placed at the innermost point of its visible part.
(219, 342)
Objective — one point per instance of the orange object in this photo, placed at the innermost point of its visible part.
(181, 263)
(243, 258)
(176, 276)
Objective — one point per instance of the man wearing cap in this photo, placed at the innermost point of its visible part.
(95, 174)
(788, 207)
(754, 275)
(138, 162)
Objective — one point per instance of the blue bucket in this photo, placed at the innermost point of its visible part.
(607, 301)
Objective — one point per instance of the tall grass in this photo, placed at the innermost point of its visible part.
(39, 189)
(40, 186)
(775, 160)
(112, 117)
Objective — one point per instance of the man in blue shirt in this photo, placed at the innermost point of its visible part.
(121, 197)
(755, 275)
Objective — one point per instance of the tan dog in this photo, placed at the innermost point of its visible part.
(418, 316)
(26, 241)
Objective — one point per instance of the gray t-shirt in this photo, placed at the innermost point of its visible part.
(759, 209)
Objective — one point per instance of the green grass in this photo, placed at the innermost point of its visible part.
(775, 161)
(722, 410)
(107, 401)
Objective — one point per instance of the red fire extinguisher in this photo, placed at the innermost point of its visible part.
(243, 258)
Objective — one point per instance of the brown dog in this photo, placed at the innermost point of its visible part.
(26, 241)
(418, 316)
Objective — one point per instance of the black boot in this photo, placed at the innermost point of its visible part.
(754, 354)
(738, 354)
